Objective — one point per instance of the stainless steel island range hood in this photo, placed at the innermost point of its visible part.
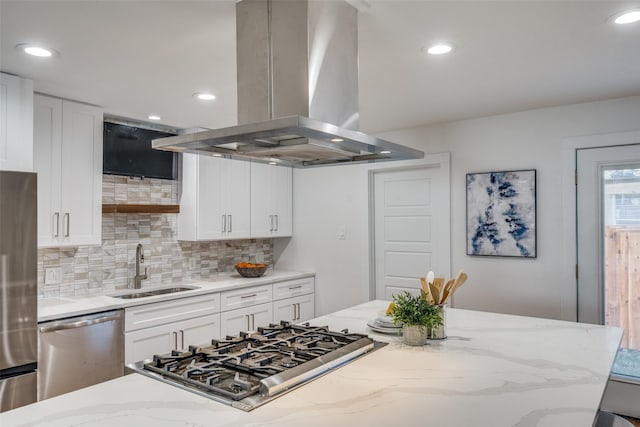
(297, 90)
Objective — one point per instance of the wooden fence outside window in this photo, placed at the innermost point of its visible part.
(622, 294)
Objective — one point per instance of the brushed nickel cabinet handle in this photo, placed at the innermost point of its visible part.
(271, 221)
(181, 338)
(67, 221)
(253, 321)
(248, 325)
(230, 223)
(57, 224)
(277, 223)
(248, 296)
(175, 340)
(224, 223)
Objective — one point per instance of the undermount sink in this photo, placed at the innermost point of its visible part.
(144, 294)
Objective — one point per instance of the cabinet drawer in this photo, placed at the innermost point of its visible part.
(245, 297)
(291, 288)
(146, 316)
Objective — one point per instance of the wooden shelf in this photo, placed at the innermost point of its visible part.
(128, 208)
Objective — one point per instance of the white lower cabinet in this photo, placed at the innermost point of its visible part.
(294, 310)
(161, 327)
(170, 325)
(294, 300)
(245, 319)
(143, 344)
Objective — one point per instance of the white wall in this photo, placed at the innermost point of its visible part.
(326, 198)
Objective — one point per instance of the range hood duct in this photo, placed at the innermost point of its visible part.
(297, 67)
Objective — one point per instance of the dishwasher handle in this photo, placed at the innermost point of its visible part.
(94, 320)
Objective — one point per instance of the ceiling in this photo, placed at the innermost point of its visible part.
(135, 58)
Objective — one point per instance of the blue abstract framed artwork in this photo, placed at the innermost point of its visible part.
(501, 214)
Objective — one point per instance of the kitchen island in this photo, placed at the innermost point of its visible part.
(494, 370)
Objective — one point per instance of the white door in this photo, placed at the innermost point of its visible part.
(411, 217)
(608, 243)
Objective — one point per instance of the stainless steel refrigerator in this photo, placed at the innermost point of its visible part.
(18, 289)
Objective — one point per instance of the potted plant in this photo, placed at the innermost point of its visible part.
(416, 316)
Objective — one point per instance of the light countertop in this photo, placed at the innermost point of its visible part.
(57, 308)
(494, 370)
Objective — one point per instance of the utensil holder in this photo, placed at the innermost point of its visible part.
(440, 332)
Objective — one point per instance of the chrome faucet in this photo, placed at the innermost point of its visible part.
(138, 278)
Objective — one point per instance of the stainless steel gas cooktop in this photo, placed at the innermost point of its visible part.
(256, 367)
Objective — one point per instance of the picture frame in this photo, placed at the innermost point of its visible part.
(502, 214)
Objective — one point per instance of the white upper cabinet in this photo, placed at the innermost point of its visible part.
(215, 203)
(271, 201)
(68, 159)
(16, 123)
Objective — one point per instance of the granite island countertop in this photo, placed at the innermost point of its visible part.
(494, 370)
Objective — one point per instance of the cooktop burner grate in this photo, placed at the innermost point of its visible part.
(255, 367)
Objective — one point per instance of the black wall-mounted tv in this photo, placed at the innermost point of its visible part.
(128, 151)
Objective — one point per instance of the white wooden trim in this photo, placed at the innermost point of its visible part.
(569, 296)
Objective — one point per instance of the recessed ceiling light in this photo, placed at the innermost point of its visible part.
(36, 50)
(217, 155)
(385, 152)
(628, 17)
(272, 163)
(204, 96)
(153, 117)
(439, 49)
(337, 139)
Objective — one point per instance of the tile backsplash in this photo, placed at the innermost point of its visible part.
(111, 266)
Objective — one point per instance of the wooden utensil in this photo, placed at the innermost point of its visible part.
(426, 290)
(447, 290)
(435, 292)
(462, 277)
(438, 282)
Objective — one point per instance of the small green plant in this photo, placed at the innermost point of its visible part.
(415, 310)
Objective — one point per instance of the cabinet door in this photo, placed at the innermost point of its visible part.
(47, 139)
(16, 123)
(210, 220)
(262, 221)
(215, 202)
(199, 331)
(294, 310)
(81, 178)
(237, 200)
(144, 343)
(245, 319)
(271, 200)
(283, 207)
(68, 160)
(235, 321)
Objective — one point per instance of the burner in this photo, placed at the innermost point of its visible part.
(248, 370)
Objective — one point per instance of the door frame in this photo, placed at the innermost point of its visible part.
(442, 160)
(569, 296)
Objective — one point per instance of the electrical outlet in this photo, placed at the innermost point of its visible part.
(53, 276)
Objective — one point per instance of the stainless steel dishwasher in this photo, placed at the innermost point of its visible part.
(78, 352)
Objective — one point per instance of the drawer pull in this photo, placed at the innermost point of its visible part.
(294, 287)
(249, 296)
